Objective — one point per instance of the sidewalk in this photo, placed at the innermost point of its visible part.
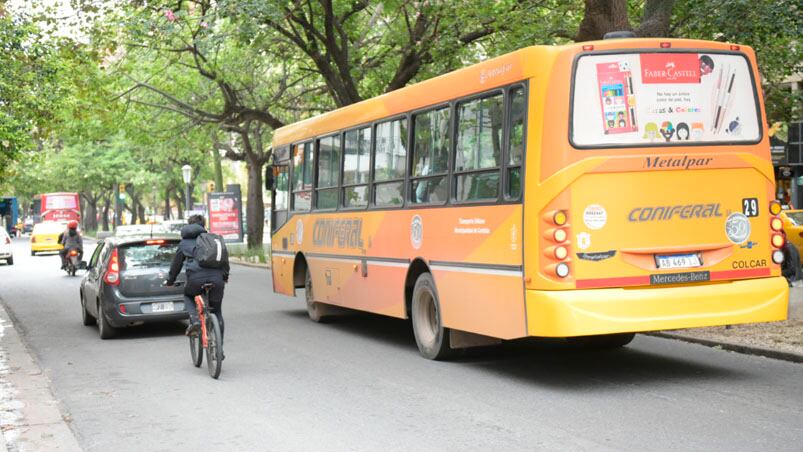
(779, 340)
(31, 418)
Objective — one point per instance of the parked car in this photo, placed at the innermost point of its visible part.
(45, 237)
(6, 252)
(793, 227)
(123, 284)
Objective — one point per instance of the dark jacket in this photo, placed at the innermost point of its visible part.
(185, 253)
(71, 239)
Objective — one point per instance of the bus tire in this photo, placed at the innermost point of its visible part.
(430, 334)
(318, 312)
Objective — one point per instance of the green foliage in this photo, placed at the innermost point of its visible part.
(31, 68)
(773, 28)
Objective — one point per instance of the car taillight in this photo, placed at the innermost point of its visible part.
(154, 242)
(8, 241)
(112, 276)
(33, 239)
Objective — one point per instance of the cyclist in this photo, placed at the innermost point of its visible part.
(70, 239)
(197, 276)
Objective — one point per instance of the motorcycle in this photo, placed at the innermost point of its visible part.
(74, 262)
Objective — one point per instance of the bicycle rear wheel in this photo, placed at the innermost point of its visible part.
(214, 352)
(196, 350)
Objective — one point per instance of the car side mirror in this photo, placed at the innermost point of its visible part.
(269, 179)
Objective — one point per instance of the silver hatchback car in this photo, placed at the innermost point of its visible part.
(123, 284)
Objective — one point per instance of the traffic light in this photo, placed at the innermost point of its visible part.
(210, 186)
(121, 188)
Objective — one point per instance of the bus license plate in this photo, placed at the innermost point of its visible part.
(162, 307)
(677, 261)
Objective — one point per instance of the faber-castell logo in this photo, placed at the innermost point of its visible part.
(486, 74)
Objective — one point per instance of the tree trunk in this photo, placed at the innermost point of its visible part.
(255, 210)
(218, 170)
(179, 206)
(107, 204)
(167, 214)
(91, 216)
(141, 213)
(655, 19)
(602, 16)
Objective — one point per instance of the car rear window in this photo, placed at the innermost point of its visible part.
(153, 253)
(795, 217)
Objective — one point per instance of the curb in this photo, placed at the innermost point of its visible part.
(43, 423)
(730, 346)
(248, 264)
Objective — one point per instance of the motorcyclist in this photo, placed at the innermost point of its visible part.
(197, 276)
(70, 239)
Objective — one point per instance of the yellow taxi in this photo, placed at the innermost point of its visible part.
(793, 227)
(45, 237)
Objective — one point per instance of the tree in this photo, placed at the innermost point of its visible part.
(603, 16)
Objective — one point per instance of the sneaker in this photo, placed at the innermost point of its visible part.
(193, 329)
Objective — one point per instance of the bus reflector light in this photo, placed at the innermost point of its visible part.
(562, 270)
(560, 218)
(777, 240)
(775, 207)
(588, 47)
(776, 224)
(666, 45)
(734, 47)
(560, 235)
(561, 253)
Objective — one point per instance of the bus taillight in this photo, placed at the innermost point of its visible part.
(562, 269)
(777, 240)
(560, 235)
(775, 207)
(776, 224)
(559, 218)
(561, 253)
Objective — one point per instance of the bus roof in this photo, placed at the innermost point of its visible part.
(500, 71)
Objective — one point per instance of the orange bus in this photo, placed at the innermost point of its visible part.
(590, 190)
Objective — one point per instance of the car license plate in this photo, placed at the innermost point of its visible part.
(162, 307)
(677, 260)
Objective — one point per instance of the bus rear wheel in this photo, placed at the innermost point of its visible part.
(317, 311)
(430, 335)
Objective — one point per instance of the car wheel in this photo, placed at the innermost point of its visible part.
(105, 330)
(86, 317)
(10, 261)
(33, 253)
(430, 334)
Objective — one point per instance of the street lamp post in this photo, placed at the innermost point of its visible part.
(186, 174)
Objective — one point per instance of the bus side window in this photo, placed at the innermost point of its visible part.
(328, 172)
(515, 153)
(390, 162)
(479, 148)
(429, 182)
(281, 196)
(302, 176)
(356, 169)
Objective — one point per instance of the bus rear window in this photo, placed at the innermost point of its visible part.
(663, 98)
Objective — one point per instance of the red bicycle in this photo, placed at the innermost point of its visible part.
(209, 339)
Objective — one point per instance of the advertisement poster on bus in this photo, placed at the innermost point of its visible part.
(663, 98)
(225, 215)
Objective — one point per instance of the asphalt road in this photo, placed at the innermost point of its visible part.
(359, 384)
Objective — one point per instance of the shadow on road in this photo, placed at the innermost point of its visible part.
(151, 330)
(546, 362)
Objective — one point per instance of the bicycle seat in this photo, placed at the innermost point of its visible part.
(207, 286)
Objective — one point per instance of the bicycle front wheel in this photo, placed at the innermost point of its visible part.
(196, 350)
(214, 352)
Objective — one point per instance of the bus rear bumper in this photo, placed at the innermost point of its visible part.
(620, 310)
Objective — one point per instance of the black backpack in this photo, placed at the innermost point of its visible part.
(210, 251)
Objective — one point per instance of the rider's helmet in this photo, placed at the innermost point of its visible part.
(72, 224)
